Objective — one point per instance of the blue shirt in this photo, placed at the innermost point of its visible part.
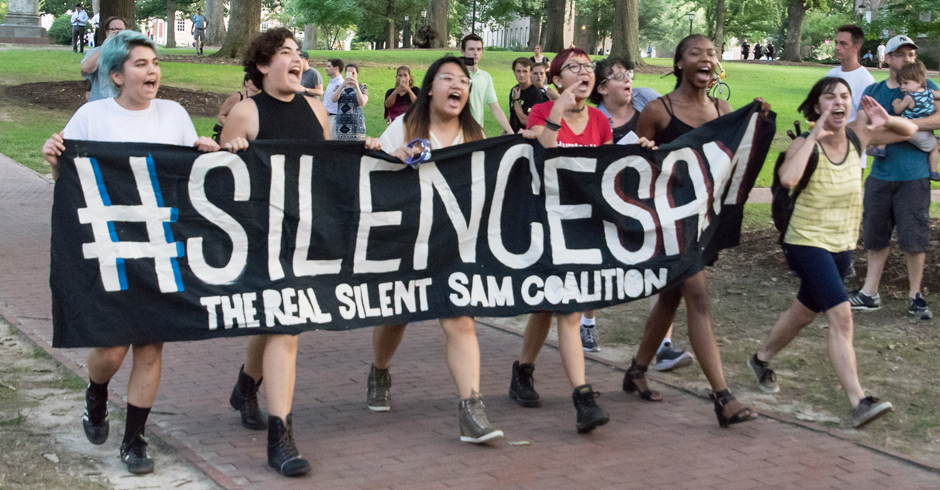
(100, 82)
(903, 161)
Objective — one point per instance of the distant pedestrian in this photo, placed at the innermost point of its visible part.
(539, 57)
(79, 20)
(334, 70)
(869, 59)
(758, 52)
(770, 51)
(198, 30)
(881, 54)
(745, 50)
(310, 78)
(400, 98)
(350, 99)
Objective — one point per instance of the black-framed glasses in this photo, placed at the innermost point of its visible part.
(579, 67)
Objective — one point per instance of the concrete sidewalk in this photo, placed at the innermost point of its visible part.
(675, 444)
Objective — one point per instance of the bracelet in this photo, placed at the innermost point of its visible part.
(551, 125)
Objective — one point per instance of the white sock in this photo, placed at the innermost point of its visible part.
(587, 322)
(666, 340)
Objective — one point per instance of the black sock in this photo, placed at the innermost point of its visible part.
(98, 389)
(136, 420)
(759, 362)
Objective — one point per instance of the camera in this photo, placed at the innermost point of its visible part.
(468, 60)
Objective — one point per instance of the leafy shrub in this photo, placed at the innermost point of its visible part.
(60, 32)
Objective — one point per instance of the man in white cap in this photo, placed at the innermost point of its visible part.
(849, 39)
(897, 193)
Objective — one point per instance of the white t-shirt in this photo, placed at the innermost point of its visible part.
(165, 122)
(394, 137)
(881, 51)
(858, 79)
(331, 87)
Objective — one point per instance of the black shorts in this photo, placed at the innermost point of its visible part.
(821, 273)
(905, 204)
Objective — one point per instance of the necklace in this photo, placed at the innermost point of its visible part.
(578, 110)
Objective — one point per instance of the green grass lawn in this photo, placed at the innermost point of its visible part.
(21, 135)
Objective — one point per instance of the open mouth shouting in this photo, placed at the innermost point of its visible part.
(455, 100)
(151, 84)
(705, 73)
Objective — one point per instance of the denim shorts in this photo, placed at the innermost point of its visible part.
(821, 273)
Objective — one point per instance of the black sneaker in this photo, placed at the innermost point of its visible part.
(861, 301)
(668, 358)
(379, 385)
(95, 419)
(766, 378)
(869, 409)
(589, 339)
(522, 385)
(917, 306)
(590, 416)
(135, 457)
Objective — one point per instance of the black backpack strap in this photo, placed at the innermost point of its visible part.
(854, 139)
(810, 168)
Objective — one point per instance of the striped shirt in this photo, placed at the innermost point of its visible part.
(828, 212)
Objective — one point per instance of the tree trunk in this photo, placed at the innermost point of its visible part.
(245, 22)
(118, 8)
(96, 8)
(625, 41)
(215, 11)
(592, 34)
(535, 27)
(391, 41)
(795, 13)
(170, 23)
(437, 21)
(719, 39)
(310, 36)
(555, 25)
(543, 32)
(406, 35)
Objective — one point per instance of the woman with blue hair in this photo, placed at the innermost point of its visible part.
(134, 115)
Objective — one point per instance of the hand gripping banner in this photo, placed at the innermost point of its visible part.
(162, 243)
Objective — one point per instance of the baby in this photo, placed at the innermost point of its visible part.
(918, 102)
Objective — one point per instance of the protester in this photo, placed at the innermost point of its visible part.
(100, 81)
(400, 98)
(538, 57)
(818, 246)
(483, 93)
(849, 39)
(918, 102)
(616, 97)
(334, 70)
(881, 54)
(745, 49)
(684, 109)
(248, 90)
(897, 193)
(539, 78)
(79, 19)
(310, 78)
(198, 30)
(441, 116)
(279, 112)
(524, 95)
(133, 115)
(350, 99)
(566, 122)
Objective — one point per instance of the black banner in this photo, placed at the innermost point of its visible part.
(162, 243)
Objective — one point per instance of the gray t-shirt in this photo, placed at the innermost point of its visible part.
(311, 78)
(100, 82)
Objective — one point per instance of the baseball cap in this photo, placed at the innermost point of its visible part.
(304, 55)
(897, 41)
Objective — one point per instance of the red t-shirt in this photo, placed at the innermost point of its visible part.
(596, 133)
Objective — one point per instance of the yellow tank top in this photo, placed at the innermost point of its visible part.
(828, 212)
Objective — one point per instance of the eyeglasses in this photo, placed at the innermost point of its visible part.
(462, 82)
(621, 76)
(579, 67)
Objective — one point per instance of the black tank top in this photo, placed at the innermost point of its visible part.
(279, 120)
(676, 127)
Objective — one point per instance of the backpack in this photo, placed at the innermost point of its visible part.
(783, 200)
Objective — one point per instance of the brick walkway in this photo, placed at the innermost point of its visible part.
(676, 444)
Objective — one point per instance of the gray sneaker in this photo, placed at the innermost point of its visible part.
(868, 410)
(669, 358)
(766, 378)
(861, 301)
(474, 427)
(917, 306)
(378, 397)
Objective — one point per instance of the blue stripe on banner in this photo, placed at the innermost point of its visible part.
(151, 168)
(100, 181)
(174, 215)
(112, 232)
(122, 274)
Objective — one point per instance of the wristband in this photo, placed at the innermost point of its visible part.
(551, 125)
(415, 161)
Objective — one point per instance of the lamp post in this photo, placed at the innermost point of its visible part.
(691, 18)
